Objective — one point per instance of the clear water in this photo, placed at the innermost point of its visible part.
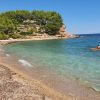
(70, 58)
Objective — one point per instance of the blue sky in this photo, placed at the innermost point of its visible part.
(80, 16)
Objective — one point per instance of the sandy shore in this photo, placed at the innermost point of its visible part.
(17, 86)
(3, 42)
(14, 87)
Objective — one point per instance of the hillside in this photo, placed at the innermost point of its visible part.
(23, 23)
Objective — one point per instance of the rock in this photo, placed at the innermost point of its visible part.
(10, 38)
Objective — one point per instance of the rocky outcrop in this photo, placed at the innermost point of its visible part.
(64, 33)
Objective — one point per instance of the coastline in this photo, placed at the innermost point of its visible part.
(44, 92)
(3, 42)
(44, 89)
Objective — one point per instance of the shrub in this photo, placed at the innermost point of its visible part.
(3, 36)
(26, 33)
(15, 36)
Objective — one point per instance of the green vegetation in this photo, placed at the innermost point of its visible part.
(3, 36)
(26, 33)
(14, 24)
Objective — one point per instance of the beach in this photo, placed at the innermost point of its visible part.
(39, 91)
(16, 85)
(50, 50)
(3, 42)
(20, 86)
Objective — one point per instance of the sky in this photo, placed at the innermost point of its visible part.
(80, 16)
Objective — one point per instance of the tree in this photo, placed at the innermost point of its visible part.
(50, 21)
(47, 21)
(6, 25)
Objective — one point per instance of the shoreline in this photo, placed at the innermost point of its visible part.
(3, 42)
(47, 92)
(42, 89)
(45, 89)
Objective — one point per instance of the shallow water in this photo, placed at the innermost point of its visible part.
(71, 58)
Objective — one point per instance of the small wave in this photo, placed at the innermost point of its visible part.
(95, 88)
(7, 55)
(25, 63)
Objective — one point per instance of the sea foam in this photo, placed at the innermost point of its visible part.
(7, 55)
(25, 63)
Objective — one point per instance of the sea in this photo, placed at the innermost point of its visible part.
(67, 58)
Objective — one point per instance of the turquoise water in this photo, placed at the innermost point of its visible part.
(69, 58)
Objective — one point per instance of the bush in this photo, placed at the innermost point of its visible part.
(26, 33)
(15, 36)
(3, 36)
